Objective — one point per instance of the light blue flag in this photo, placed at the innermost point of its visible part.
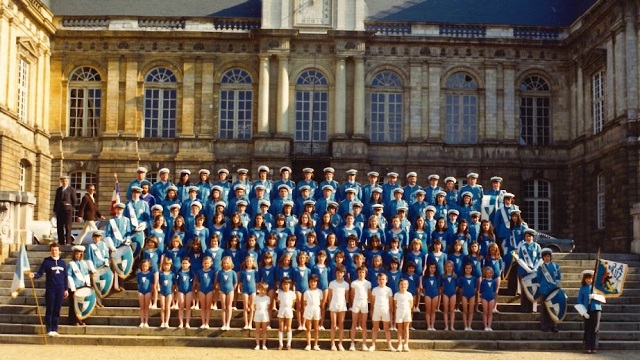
(22, 266)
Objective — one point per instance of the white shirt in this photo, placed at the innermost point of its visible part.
(286, 299)
(361, 289)
(382, 295)
(338, 290)
(313, 298)
(403, 301)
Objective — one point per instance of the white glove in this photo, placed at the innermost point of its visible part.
(586, 316)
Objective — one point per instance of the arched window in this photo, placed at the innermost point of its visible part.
(536, 209)
(85, 102)
(600, 193)
(236, 103)
(312, 94)
(160, 103)
(79, 181)
(535, 112)
(386, 108)
(462, 109)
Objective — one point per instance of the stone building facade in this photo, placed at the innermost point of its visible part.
(546, 101)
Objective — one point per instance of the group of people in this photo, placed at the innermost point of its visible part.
(304, 248)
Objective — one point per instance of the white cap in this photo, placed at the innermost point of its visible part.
(434, 176)
(392, 174)
(304, 187)
(243, 171)
(585, 272)
(204, 171)
(529, 231)
(327, 187)
(193, 188)
(329, 169)
(156, 207)
(398, 189)
(376, 190)
(356, 203)
(185, 171)
(241, 203)
(263, 168)
(77, 248)
(351, 190)
(352, 172)
(377, 206)
(307, 170)
(373, 173)
(197, 203)
(285, 168)
(239, 186)
(284, 186)
(174, 206)
(163, 170)
(287, 203)
(441, 193)
(453, 211)
(450, 178)
(475, 213)
(259, 187)
(216, 187)
(496, 178)
(221, 203)
(412, 173)
(223, 171)
(332, 203)
(309, 202)
(546, 251)
(265, 202)
(419, 192)
(141, 169)
(136, 188)
(430, 208)
(467, 193)
(172, 187)
(98, 233)
(510, 195)
(472, 175)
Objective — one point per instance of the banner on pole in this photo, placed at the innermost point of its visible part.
(609, 279)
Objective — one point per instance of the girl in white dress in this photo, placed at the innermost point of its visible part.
(261, 317)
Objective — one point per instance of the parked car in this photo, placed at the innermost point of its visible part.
(554, 243)
(45, 232)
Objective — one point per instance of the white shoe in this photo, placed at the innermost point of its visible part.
(187, 326)
(457, 310)
(300, 327)
(202, 326)
(406, 347)
(321, 327)
(304, 328)
(264, 347)
(141, 325)
(257, 347)
(234, 308)
(316, 348)
(412, 328)
(50, 333)
(55, 333)
(352, 347)
(372, 348)
(391, 348)
(153, 306)
(206, 326)
(399, 347)
(358, 328)
(490, 329)
(415, 309)
(307, 348)
(214, 307)
(486, 329)
(180, 326)
(364, 347)
(268, 327)
(340, 347)
(451, 328)
(495, 310)
(334, 348)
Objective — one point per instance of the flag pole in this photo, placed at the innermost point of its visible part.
(35, 297)
(595, 271)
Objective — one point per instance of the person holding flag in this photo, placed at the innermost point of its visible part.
(115, 196)
(591, 310)
(56, 286)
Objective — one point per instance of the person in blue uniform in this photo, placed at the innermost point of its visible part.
(351, 183)
(529, 259)
(55, 288)
(204, 283)
(307, 174)
(501, 219)
(159, 188)
(285, 179)
(226, 282)
(432, 189)
(451, 193)
(141, 174)
(387, 189)
(139, 214)
(549, 278)
(367, 189)
(78, 271)
(592, 314)
(410, 189)
(224, 184)
(171, 198)
(328, 180)
(417, 208)
(488, 296)
(118, 232)
(263, 180)
(146, 193)
(243, 179)
(204, 185)
(391, 207)
(98, 254)
(183, 184)
(322, 202)
(349, 197)
(475, 189)
(147, 280)
(303, 196)
(493, 199)
(441, 206)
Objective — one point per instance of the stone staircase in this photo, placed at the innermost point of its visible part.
(117, 323)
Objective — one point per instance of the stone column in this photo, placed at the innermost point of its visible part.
(491, 104)
(207, 99)
(610, 109)
(510, 119)
(620, 74)
(283, 96)
(340, 99)
(132, 126)
(358, 98)
(435, 72)
(415, 101)
(40, 89)
(113, 95)
(635, 244)
(263, 96)
(631, 47)
(5, 44)
(188, 99)
(46, 85)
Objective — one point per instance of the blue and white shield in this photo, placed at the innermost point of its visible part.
(137, 243)
(530, 286)
(556, 305)
(122, 260)
(84, 302)
(102, 281)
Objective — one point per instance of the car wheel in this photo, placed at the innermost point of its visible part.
(554, 248)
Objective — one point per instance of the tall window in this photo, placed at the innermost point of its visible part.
(534, 112)
(79, 181)
(85, 102)
(22, 179)
(462, 109)
(236, 102)
(312, 96)
(597, 100)
(600, 200)
(386, 108)
(536, 208)
(23, 89)
(160, 103)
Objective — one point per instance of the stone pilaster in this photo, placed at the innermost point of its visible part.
(263, 95)
(358, 99)
(340, 99)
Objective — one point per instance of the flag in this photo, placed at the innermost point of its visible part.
(22, 266)
(609, 279)
(115, 198)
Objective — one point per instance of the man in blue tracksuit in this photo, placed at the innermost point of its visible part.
(56, 287)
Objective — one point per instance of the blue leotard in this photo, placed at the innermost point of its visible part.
(184, 281)
(248, 281)
(449, 285)
(205, 280)
(145, 282)
(227, 280)
(166, 282)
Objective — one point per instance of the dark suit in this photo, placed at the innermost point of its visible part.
(66, 200)
(88, 209)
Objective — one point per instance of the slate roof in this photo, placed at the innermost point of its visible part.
(497, 12)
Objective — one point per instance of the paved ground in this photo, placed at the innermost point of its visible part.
(22, 352)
